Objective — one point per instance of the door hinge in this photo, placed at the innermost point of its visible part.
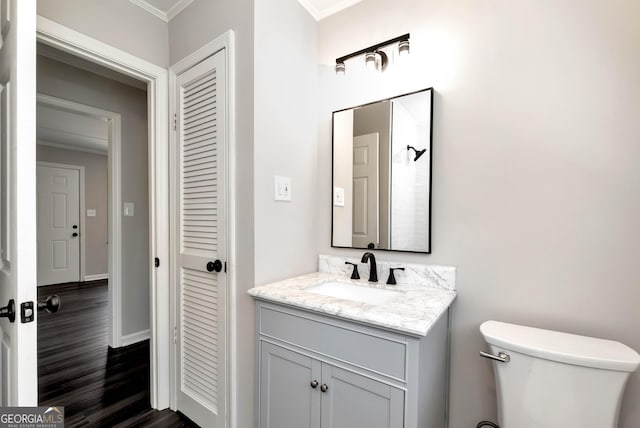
(156, 262)
(175, 333)
(175, 121)
(225, 267)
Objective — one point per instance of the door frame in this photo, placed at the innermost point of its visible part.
(81, 207)
(226, 43)
(114, 181)
(63, 38)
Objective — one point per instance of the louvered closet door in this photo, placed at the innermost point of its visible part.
(202, 216)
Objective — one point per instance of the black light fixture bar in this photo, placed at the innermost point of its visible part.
(372, 48)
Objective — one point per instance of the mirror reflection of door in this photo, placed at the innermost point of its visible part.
(58, 213)
(398, 216)
(366, 206)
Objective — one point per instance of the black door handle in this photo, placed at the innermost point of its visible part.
(51, 305)
(214, 266)
(9, 311)
(74, 234)
(75, 226)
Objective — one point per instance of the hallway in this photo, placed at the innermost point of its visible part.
(97, 385)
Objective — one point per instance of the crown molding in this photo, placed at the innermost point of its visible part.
(165, 16)
(319, 14)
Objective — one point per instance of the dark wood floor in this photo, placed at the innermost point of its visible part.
(97, 385)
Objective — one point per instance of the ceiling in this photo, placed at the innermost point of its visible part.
(167, 9)
(72, 131)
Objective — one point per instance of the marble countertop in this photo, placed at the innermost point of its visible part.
(414, 311)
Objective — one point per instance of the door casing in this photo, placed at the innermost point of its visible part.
(63, 38)
(114, 125)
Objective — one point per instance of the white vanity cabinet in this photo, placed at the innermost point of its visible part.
(318, 371)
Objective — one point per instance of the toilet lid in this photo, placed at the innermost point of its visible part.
(561, 347)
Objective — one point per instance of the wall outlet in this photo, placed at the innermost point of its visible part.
(282, 188)
(91, 213)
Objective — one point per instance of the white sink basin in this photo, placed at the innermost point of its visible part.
(358, 293)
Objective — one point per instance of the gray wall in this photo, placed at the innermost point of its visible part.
(284, 144)
(63, 81)
(199, 23)
(535, 175)
(119, 23)
(96, 229)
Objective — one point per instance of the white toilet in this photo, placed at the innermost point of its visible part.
(548, 379)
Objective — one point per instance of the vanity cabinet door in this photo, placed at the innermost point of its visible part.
(353, 400)
(288, 398)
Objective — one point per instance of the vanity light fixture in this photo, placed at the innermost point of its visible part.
(418, 152)
(375, 59)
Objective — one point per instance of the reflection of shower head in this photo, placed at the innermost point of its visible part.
(418, 152)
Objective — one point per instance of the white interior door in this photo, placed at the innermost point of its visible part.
(202, 279)
(18, 339)
(58, 225)
(366, 201)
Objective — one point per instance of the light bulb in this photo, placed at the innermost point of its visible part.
(403, 48)
(370, 60)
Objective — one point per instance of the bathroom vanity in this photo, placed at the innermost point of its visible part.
(375, 357)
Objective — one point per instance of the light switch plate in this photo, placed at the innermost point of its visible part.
(91, 213)
(282, 188)
(128, 209)
(338, 196)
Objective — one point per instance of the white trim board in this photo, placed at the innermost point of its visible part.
(156, 78)
(130, 339)
(41, 142)
(96, 277)
(224, 42)
(81, 205)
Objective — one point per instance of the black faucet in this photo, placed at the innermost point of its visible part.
(373, 271)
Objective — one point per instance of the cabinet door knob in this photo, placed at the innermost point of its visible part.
(324, 387)
(314, 384)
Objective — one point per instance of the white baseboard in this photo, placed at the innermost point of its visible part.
(96, 277)
(132, 338)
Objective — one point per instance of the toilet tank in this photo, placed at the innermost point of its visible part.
(555, 379)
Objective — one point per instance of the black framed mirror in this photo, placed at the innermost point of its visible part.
(381, 174)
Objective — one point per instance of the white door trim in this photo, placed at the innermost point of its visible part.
(53, 34)
(224, 42)
(80, 170)
(114, 124)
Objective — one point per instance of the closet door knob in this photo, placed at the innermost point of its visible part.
(324, 387)
(214, 266)
(314, 384)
